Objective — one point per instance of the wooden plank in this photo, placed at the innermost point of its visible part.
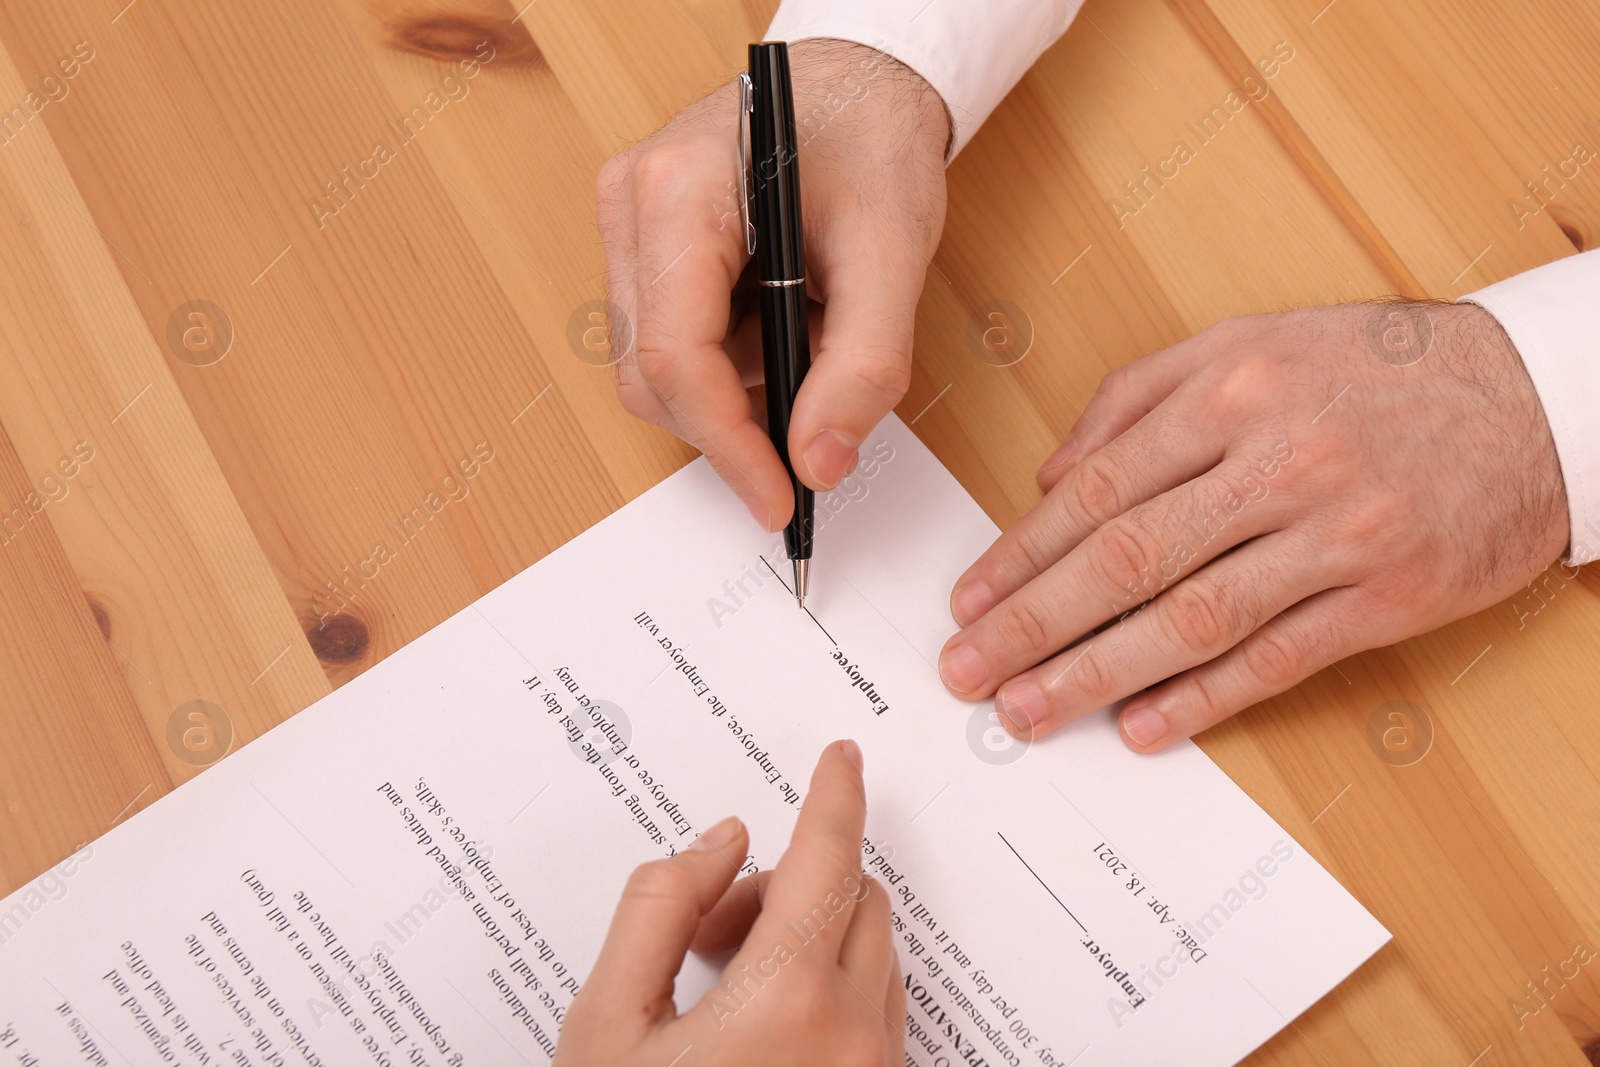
(372, 358)
(528, 203)
(153, 534)
(77, 759)
(1435, 115)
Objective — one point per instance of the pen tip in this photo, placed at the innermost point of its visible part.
(802, 569)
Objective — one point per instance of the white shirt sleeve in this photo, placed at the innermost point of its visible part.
(972, 54)
(1550, 314)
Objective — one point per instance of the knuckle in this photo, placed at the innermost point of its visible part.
(1200, 698)
(1232, 329)
(884, 371)
(1198, 617)
(1098, 490)
(658, 880)
(1019, 557)
(655, 362)
(660, 174)
(1114, 387)
(658, 163)
(1091, 672)
(1022, 628)
(637, 399)
(1128, 556)
(1243, 383)
(1274, 658)
(1373, 521)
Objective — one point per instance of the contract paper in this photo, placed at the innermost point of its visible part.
(420, 868)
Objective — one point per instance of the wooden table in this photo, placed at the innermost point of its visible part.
(215, 538)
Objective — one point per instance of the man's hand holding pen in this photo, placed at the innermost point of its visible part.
(872, 142)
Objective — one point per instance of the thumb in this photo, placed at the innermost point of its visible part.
(660, 911)
(863, 364)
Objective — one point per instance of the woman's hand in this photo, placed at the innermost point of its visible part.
(815, 979)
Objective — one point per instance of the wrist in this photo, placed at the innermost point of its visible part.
(1482, 356)
(844, 89)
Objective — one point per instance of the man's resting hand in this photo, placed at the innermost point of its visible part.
(1279, 492)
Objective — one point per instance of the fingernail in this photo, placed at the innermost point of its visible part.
(962, 669)
(1020, 730)
(972, 601)
(1023, 704)
(852, 752)
(719, 836)
(1144, 725)
(829, 457)
(1061, 457)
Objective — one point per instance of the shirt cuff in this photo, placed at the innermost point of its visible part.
(971, 54)
(1549, 313)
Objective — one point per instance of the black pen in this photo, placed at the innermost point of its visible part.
(773, 237)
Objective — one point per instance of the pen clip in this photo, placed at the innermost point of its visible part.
(747, 106)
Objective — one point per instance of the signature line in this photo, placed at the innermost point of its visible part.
(1041, 881)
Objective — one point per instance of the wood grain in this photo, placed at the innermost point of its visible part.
(395, 322)
(77, 758)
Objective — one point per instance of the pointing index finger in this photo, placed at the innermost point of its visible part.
(818, 882)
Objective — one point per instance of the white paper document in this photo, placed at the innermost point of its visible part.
(420, 868)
